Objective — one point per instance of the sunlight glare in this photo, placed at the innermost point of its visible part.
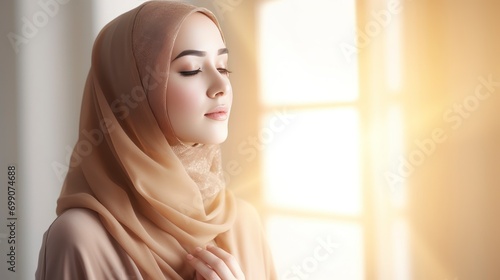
(314, 162)
(301, 61)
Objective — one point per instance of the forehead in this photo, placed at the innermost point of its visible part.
(198, 32)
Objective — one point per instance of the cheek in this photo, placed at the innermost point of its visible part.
(183, 99)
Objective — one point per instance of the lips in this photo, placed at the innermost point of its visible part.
(219, 113)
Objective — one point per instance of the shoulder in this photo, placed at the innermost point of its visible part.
(245, 208)
(247, 215)
(76, 227)
(66, 243)
(78, 246)
(74, 220)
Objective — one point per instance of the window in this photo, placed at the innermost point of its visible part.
(328, 203)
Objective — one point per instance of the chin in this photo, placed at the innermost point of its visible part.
(216, 136)
(214, 139)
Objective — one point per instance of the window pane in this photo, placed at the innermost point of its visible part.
(307, 51)
(316, 249)
(313, 161)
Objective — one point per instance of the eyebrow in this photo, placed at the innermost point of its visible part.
(200, 53)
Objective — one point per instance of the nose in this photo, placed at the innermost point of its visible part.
(219, 85)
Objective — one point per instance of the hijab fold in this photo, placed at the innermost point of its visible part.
(156, 197)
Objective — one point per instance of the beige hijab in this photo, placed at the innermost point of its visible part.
(156, 197)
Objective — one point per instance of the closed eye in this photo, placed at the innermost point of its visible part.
(190, 73)
(224, 71)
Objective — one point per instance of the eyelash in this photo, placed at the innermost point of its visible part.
(223, 71)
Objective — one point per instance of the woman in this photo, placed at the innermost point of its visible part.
(144, 197)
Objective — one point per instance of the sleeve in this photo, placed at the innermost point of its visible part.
(40, 271)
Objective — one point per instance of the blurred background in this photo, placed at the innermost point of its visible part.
(365, 132)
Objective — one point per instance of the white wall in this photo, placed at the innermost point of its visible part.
(8, 125)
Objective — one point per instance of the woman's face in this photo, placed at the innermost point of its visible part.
(199, 94)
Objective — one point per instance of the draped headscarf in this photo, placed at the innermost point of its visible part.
(156, 197)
